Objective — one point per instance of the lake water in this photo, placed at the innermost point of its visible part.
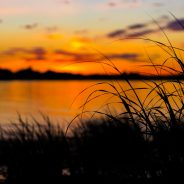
(54, 98)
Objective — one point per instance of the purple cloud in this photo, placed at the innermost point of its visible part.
(117, 33)
(14, 51)
(142, 29)
(176, 25)
(137, 26)
(126, 56)
(125, 34)
(142, 33)
(63, 52)
(97, 57)
(76, 56)
(37, 53)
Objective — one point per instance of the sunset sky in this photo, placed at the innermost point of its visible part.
(71, 35)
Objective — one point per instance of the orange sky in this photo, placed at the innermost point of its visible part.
(74, 35)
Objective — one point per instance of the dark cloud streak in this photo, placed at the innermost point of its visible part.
(142, 29)
(30, 26)
(126, 56)
(97, 57)
(137, 26)
(176, 25)
(142, 33)
(36, 53)
(116, 33)
(39, 53)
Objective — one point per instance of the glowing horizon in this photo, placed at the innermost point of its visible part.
(58, 34)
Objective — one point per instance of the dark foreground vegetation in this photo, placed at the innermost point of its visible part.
(142, 143)
(97, 150)
(29, 74)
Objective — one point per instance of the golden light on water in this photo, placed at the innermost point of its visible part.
(56, 98)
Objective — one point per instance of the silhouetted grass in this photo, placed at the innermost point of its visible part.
(108, 148)
(33, 151)
(97, 148)
(144, 142)
(161, 104)
(159, 118)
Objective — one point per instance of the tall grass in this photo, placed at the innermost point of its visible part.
(107, 148)
(33, 151)
(161, 104)
(158, 120)
(145, 141)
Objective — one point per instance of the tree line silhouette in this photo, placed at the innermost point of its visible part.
(30, 74)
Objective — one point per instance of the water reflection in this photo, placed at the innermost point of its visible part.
(55, 97)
